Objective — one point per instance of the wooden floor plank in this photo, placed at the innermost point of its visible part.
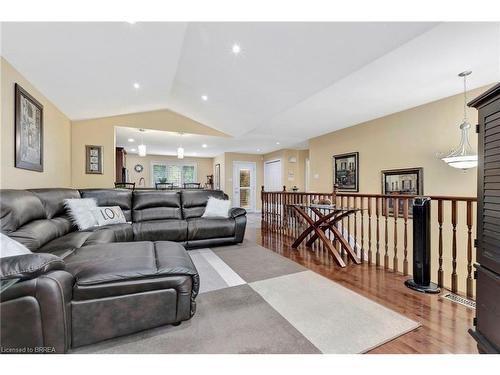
(444, 324)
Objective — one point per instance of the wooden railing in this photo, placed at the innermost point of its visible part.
(384, 239)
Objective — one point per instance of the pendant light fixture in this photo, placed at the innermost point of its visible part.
(141, 149)
(463, 157)
(180, 150)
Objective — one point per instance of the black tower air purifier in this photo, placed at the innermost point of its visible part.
(422, 247)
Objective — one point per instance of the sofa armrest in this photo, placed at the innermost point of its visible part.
(237, 211)
(29, 266)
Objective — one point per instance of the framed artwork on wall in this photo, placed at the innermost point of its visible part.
(346, 171)
(408, 181)
(93, 159)
(217, 177)
(28, 131)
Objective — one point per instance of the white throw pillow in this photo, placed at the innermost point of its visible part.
(80, 212)
(217, 208)
(109, 215)
(10, 247)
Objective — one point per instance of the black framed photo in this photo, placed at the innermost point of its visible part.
(346, 171)
(28, 131)
(217, 177)
(408, 181)
(93, 159)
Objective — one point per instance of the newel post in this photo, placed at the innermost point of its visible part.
(262, 203)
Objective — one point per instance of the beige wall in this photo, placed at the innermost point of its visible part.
(101, 132)
(56, 140)
(401, 140)
(204, 167)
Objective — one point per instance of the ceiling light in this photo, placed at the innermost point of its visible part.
(131, 139)
(236, 48)
(277, 143)
(142, 147)
(204, 145)
(136, 85)
(258, 150)
(204, 98)
(132, 150)
(463, 157)
(180, 153)
(131, 22)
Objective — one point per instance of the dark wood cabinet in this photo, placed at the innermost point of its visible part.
(121, 159)
(487, 322)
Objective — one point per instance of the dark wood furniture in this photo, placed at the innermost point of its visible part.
(321, 219)
(164, 185)
(125, 185)
(487, 322)
(192, 185)
(121, 158)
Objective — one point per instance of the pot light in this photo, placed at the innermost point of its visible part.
(136, 85)
(132, 150)
(236, 48)
(142, 150)
(204, 145)
(131, 22)
(131, 139)
(277, 143)
(258, 150)
(204, 98)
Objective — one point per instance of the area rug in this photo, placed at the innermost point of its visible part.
(253, 300)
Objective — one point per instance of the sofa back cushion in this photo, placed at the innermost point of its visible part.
(111, 197)
(24, 218)
(156, 205)
(53, 200)
(195, 201)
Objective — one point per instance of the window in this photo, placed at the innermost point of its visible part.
(177, 173)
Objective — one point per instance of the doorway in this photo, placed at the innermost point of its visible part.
(244, 184)
(272, 175)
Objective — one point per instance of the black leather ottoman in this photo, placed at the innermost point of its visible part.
(122, 288)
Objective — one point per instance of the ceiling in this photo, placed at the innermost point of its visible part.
(290, 82)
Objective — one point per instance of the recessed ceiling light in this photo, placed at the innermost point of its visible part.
(136, 85)
(132, 149)
(204, 145)
(204, 98)
(131, 22)
(277, 143)
(258, 150)
(236, 48)
(131, 139)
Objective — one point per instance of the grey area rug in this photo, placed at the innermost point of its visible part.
(253, 300)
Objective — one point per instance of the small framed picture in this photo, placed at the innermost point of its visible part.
(29, 131)
(346, 171)
(93, 159)
(408, 181)
(217, 177)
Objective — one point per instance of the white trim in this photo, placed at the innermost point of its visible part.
(253, 183)
(175, 162)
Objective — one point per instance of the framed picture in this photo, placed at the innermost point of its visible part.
(217, 177)
(346, 171)
(28, 131)
(409, 181)
(93, 159)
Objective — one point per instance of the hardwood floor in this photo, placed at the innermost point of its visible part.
(444, 324)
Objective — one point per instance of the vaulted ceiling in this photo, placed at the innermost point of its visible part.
(290, 82)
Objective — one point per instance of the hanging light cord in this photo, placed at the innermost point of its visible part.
(465, 98)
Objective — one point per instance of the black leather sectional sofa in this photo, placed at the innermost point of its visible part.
(81, 287)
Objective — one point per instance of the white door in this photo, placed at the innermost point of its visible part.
(244, 191)
(272, 176)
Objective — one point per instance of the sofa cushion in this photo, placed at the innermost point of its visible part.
(122, 232)
(160, 230)
(200, 228)
(19, 207)
(75, 240)
(156, 205)
(111, 197)
(195, 201)
(127, 268)
(53, 200)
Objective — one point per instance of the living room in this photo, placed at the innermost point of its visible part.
(293, 185)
